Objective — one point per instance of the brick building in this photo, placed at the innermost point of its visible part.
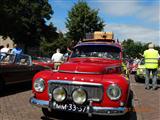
(31, 50)
(6, 41)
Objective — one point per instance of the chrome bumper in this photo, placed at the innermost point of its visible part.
(94, 110)
(39, 103)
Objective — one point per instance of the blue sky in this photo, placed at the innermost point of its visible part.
(136, 19)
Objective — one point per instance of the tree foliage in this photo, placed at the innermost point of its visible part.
(81, 20)
(25, 21)
(48, 48)
(133, 49)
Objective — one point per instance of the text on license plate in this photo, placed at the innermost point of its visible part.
(70, 107)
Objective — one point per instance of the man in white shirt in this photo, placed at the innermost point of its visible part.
(5, 49)
(4, 52)
(57, 58)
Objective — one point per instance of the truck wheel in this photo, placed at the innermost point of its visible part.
(131, 101)
(126, 116)
(47, 113)
(53, 114)
(137, 78)
(130, 105)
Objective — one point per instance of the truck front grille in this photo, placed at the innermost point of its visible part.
(94, 90)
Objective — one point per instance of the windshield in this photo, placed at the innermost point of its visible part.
(37, 59)
(100, 51)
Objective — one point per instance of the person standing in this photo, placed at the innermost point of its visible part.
(1, 54)
(4, 52)
(57, 58)
(151, 64)
(5, 49)
(16, 51)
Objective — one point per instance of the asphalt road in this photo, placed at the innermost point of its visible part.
(14, 105)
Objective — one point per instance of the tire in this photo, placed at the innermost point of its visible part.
(51, 114)
(130, 105)
(137, 78)
(130, 101)
(125, 116)
(48, 114)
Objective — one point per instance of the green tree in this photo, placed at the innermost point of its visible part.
(49, 47)
(25, 21)
(132, 49)
(81, 20)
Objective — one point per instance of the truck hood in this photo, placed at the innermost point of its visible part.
(89, 66)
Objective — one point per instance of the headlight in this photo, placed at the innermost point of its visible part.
(59, 94)
(39, 85)
(79, 96)
(114, 92)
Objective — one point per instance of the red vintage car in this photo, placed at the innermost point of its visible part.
(90, 82)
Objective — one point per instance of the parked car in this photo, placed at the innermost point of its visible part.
(90, 82)
(46, 62)
(132, 65)
(140, 73)
(15, 72)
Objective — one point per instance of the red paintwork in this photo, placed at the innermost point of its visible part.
(106, 80)
(45, 75)
(89, 65)
(44, 64)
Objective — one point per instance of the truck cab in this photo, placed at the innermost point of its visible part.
(92, 81)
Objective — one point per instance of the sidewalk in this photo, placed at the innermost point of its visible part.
(147, 102)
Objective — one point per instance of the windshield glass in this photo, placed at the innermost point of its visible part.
(37, 59)
(100, 51)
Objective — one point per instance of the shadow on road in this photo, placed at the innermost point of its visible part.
(71, 116)
(15, 88)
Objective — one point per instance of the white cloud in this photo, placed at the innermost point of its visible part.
(149, 13)
(122, 8)
(146, 13)
(137, 33)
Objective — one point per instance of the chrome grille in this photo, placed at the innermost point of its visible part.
(94, 90)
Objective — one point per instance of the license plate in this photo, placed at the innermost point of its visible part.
(69, 107)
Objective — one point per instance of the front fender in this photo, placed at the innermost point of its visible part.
(46, 74)
(122, 82)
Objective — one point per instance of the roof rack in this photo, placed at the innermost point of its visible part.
(98, 36)
(99, 40)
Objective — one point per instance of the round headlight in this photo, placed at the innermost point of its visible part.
(79, 96)
(39, 85)
(114, 92)
(59, 94)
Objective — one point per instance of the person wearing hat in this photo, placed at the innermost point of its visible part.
(151, 65)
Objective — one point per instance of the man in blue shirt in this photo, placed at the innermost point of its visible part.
(16, 51)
